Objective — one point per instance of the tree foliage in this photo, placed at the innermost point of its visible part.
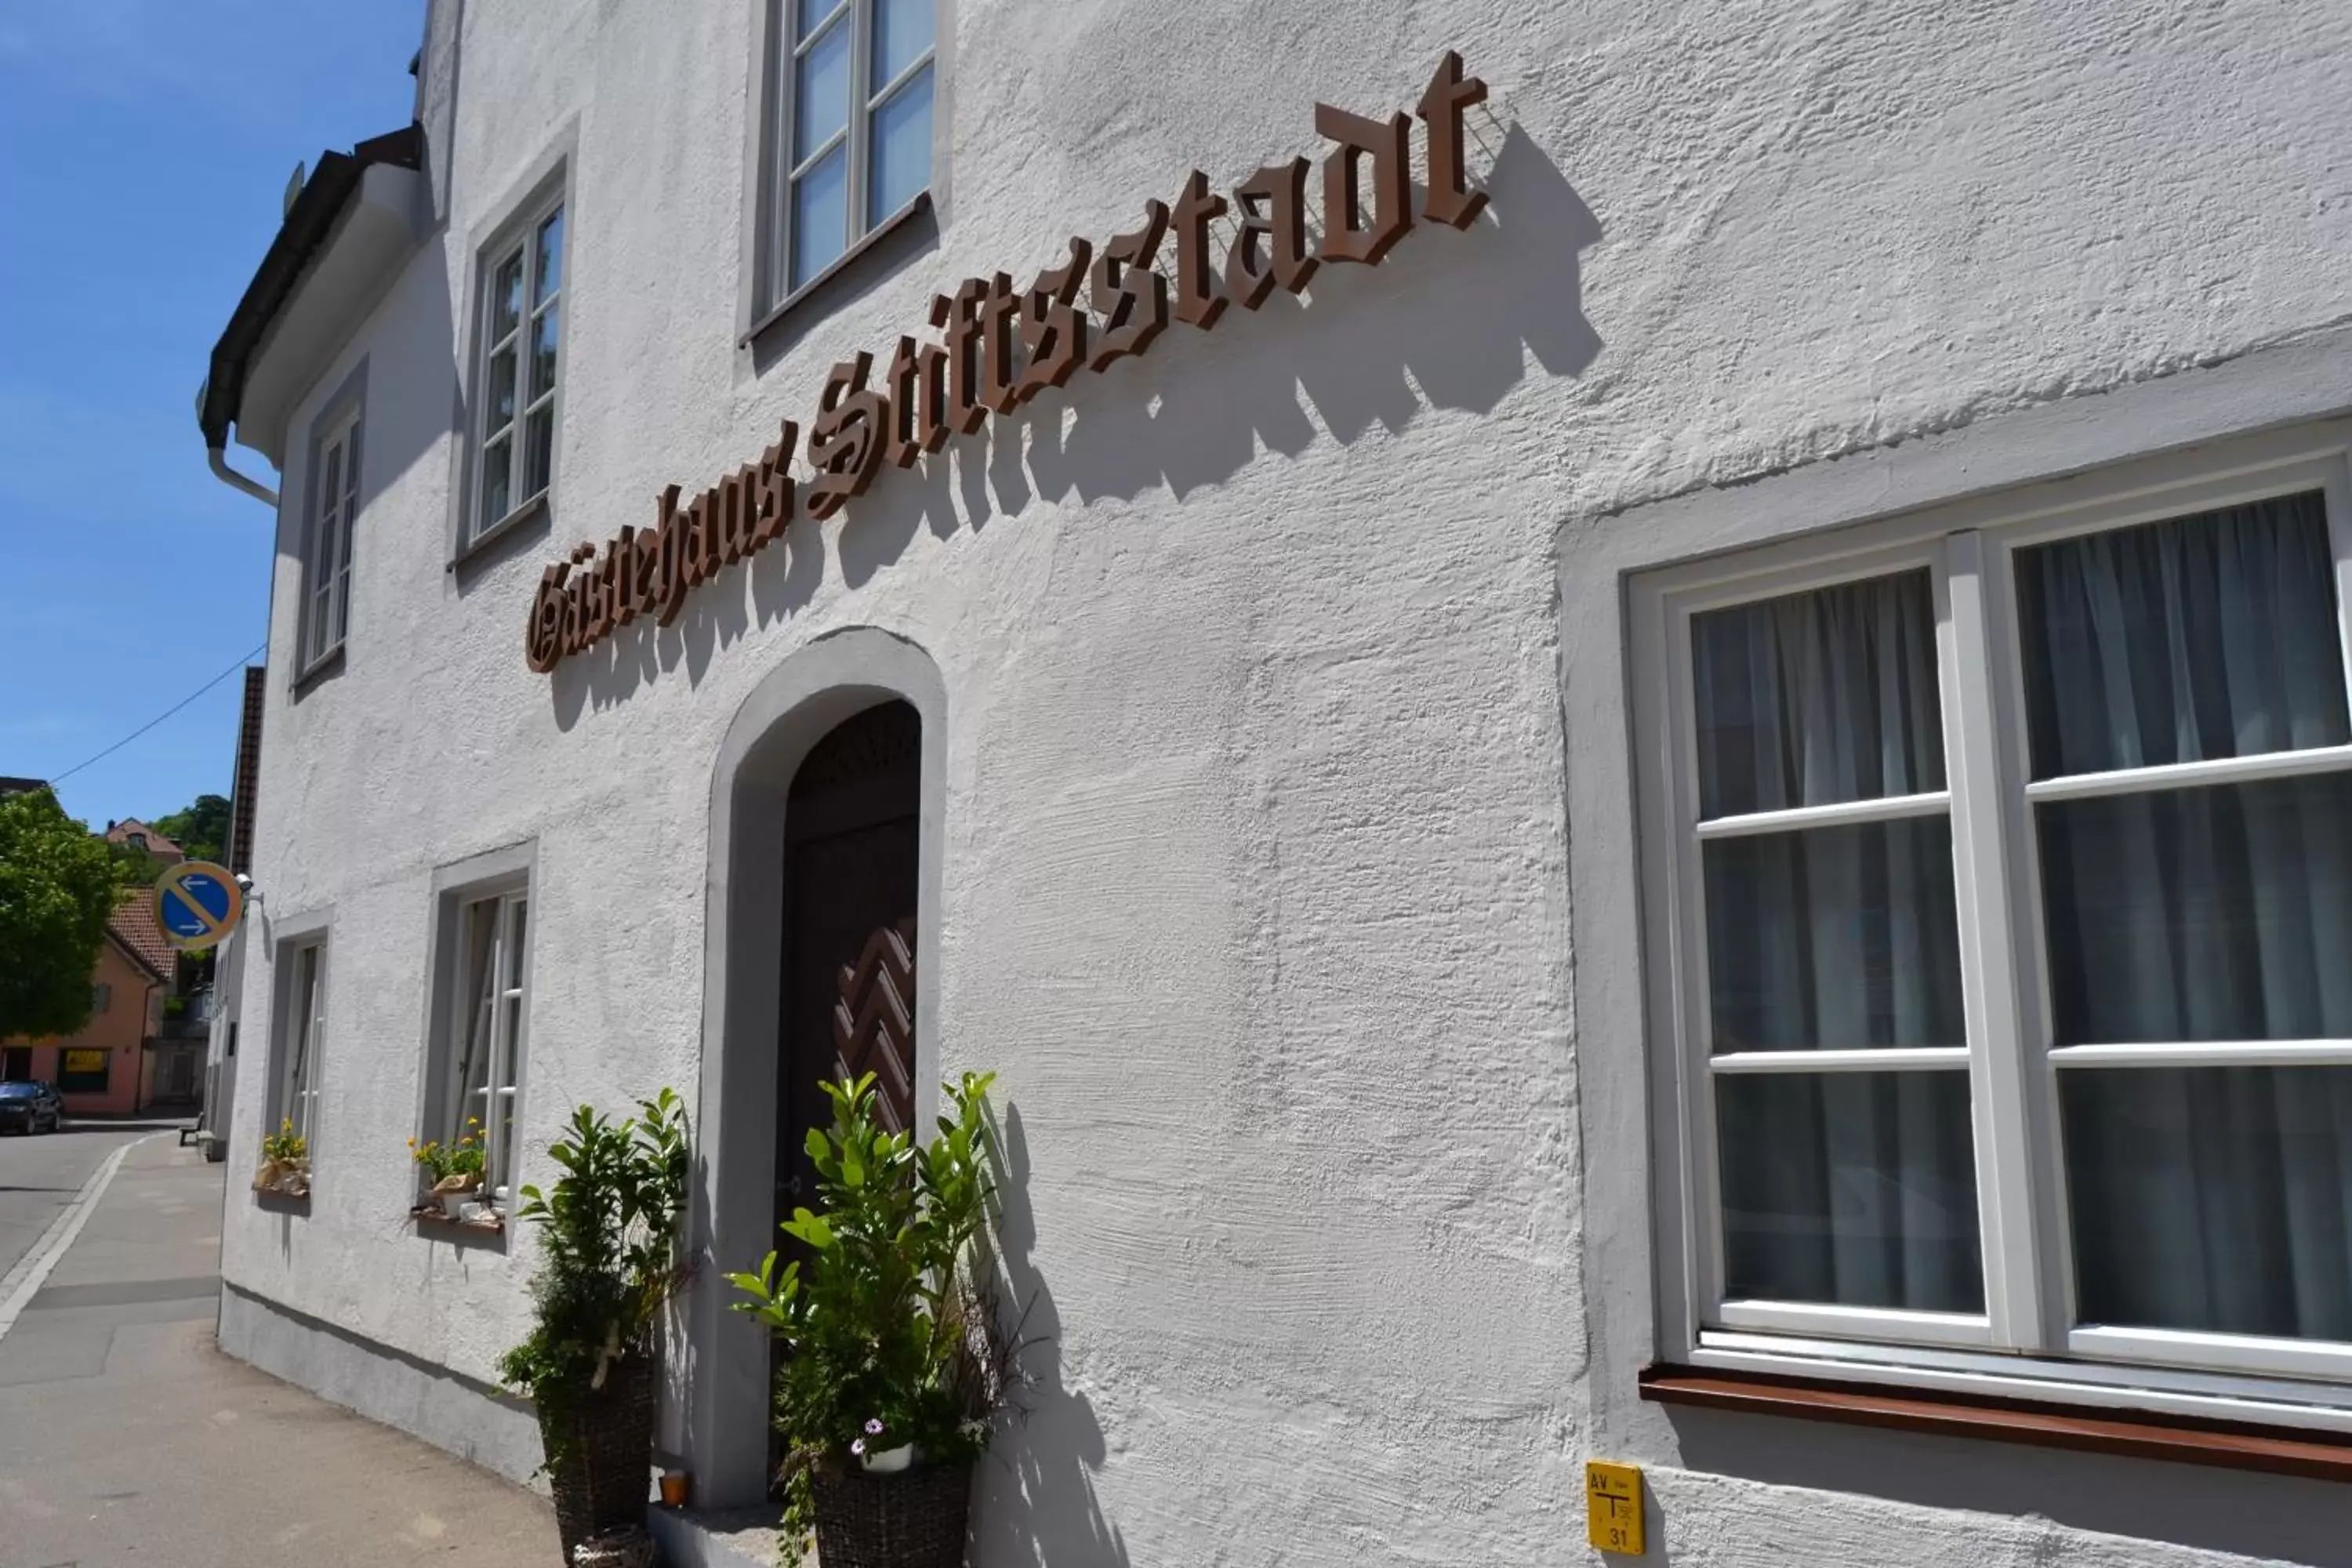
(59, 883)
(199, 828)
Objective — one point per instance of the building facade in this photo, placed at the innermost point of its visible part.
(1626, 725)
(110, 1067)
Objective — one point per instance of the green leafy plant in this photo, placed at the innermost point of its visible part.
(463, 1157)
(609, 1252)
(286, 1146)
(890, 1331)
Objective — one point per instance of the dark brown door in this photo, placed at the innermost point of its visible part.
(852, 836)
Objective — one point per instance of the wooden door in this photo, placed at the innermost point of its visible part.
(853, 838)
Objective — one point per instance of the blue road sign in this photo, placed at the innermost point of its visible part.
(197, 904)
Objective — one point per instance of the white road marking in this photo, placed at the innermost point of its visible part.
(26, 1279)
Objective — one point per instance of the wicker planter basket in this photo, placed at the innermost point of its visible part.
(601, 1469)
(911, 1520)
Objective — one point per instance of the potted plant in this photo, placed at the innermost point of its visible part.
(609, 1260)
(455, 1169)
(896, 1363)
(284, 1163)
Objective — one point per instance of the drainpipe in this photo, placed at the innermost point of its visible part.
(228, 476)
(222, 471)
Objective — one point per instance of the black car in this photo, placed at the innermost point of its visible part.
(29, 1108)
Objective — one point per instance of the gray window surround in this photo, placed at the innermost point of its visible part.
(287, 935)
(512, 868)
(348, 402)
(878, 246)
(546, 180)
(1635, 1272)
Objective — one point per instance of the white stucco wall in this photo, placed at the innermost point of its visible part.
(1257, 888)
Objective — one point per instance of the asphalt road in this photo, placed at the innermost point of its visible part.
(128, 1437)
(39, 1176)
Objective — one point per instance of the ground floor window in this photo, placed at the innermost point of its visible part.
(295, 1092)
(83, 1071)
(486, 1036)
(2009, 880)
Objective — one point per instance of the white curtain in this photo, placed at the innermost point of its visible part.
(1856, 1188)
(2216, 1198)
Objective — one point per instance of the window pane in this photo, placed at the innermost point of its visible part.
(820, 216)
(500, 406)
(549, 276)
(2211, 635)
(1857, 1189)
(350, 481)
(538, 451)
(1834, 937)
(2221, 913)
(2212, 1198)
(902, 31)
(821, 91)
(812, 12)
(902, 148)
(506, 297)
(497, 494)
(1818, 697)
(543, 353)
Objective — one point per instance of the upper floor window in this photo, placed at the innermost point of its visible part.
(520, 334)
(2007, 888)
(327, 555)
(850, 138)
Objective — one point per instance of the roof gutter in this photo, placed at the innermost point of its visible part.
(310, 220)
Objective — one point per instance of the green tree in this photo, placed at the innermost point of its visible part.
(201, 827)
(59, 883)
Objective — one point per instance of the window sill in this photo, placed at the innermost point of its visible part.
(312, 674)
(489, 539)
(849, 258)
(2231, 1445)
(431, 1222)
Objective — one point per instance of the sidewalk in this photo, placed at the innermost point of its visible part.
(126, 1437)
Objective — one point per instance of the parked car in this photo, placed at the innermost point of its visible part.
(30, 1107)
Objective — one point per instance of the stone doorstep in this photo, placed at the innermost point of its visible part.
(731, 1538)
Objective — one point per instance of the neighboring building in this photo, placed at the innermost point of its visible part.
(105, 1068)
(133, 834)
(1706, 819)
(9, 787)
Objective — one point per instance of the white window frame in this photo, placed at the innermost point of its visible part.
(488, 1011)
(517, 240)
(294, 1076)
(326, 542)
(780, 170)
(2026, 1344)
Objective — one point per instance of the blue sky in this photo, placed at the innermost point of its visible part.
(144, 149)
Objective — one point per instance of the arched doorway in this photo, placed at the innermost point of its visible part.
(827, 799)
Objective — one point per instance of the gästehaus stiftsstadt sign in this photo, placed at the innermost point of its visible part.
(999, 346)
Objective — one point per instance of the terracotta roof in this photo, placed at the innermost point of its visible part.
(157, 845)
(132, 926)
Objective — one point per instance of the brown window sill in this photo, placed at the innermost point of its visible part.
(2233, 1445)
(432, 1222)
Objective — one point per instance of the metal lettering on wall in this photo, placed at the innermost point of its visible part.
(1001, 345)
